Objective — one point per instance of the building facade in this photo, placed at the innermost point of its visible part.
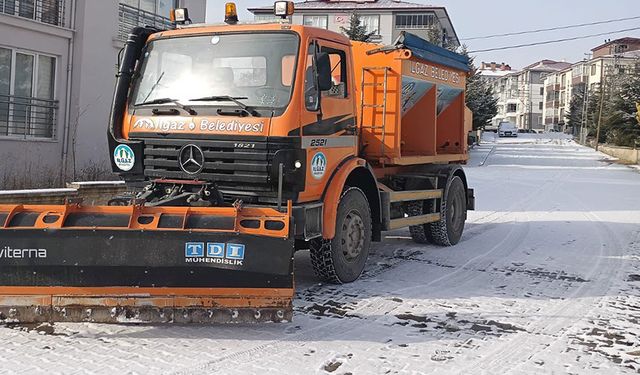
(608, 59)
(386, 19)
(521, 95)
(58, 60)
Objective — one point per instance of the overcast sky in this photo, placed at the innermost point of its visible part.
(473, 19)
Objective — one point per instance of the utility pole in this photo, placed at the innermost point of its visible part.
(602, 87)
(602, 92)
(585, 98)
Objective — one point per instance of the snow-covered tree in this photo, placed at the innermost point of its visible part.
(480, 97)
(574, 116)
(356, 30)
(620, 122)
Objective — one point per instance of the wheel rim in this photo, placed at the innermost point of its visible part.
(353, 236)
(454, 210)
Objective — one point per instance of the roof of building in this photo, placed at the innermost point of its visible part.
(495, 73)
(359, 4)
(627, 40)
(548, 66)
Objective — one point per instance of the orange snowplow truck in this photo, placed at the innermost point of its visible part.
(242, 143)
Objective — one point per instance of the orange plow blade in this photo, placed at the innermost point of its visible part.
(145, 264)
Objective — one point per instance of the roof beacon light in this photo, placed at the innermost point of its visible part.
(230, 13)
(179, 16)
(283, 9)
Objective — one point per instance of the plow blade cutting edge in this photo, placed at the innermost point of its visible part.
(145, 264)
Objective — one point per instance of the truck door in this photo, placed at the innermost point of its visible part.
(328, 129)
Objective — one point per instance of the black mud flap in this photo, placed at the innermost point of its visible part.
(471, 200)
(116, 276)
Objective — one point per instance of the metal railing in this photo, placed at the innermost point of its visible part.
(27, 117)
(130, 17)
(45, 11)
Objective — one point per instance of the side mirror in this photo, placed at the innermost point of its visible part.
(324, 71)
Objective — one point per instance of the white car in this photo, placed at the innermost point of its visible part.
(507, 129)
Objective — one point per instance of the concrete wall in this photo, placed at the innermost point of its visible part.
(90, 193)
(626, 154)
(94, 68)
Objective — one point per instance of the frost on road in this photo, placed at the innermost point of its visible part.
(545, 280)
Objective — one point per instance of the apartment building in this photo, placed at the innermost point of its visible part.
(521, 94)
(58, 61)
(612, 57)
(385, 18)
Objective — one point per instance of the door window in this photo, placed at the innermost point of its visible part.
(338, 60)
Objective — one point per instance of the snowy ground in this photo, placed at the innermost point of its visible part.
(545, 280)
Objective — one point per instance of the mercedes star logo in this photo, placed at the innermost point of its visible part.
(191, 159)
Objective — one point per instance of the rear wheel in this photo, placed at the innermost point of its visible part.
(342, 259)
(447, 231)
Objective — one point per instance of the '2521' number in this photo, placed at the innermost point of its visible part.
(318, 142)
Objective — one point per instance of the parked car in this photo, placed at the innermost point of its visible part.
(507, 129)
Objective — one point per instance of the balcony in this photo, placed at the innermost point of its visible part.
(130, 17)
(553, 87)
(46, 11)
(579, 79)
(26, 117)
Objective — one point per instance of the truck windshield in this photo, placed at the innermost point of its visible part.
(254, 69)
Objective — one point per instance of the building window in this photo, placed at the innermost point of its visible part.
(134, 13)
(47, 11)
(27, 92)
(158, 7)
(371, 23)
(593, 69)
(415, 21)
(541, 90)
(316, 21)
(512, 107)
(540, 106)
(269, 17)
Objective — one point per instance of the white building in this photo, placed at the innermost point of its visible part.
(57, 72)
(521, 95)
(608, 58)
(386, 18)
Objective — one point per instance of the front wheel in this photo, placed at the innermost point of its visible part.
(342, 259)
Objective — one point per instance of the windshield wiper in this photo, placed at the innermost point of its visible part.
(227, 98)
(176, 102)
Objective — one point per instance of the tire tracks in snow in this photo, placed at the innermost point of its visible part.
(541, 333)
(382, 306)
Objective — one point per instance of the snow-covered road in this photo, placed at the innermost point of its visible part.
(545, 280)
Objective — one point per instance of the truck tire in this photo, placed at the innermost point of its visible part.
(420, 233)
(342, 259)
(447, 231)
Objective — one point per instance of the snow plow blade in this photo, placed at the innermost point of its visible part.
(139, 264)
